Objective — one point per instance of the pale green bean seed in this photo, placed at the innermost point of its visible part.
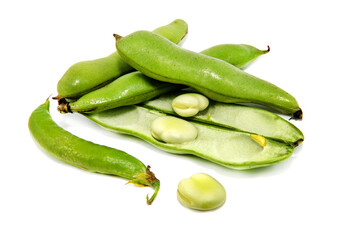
(201, 192)
(189, 104)
(173, 130)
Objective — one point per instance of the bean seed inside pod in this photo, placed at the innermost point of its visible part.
(173, 130)
(189, 104)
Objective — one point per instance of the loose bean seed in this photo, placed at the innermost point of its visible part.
(201, 192)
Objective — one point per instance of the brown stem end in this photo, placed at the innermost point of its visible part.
(118, 37)
(298, 115)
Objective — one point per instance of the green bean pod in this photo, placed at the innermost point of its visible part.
(129, 89)
(134, 88)
(231, 149)
(78, 152)
(239, 55)
(236, 117)
(160, 59)
(83, 77)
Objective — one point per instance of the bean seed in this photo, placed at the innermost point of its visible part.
(189, 104)
(201, 192)
(173, 130)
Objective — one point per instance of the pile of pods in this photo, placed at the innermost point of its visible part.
(180, 101)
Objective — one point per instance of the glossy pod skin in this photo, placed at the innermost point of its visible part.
(78, 152)
(160, 59)
(236, 117)
(134, 88)
(129, 89)
(239, 55)
(83, 77)
(232, 149)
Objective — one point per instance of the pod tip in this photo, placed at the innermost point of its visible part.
(298, 115)
(268, 49)
(118, 37)
(299, 141)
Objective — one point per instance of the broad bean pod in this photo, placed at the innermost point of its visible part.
(239, 55)
(232, 149)
(131, 88)
(135, 87)
(160, 59)
(236, 117)
(83, 77)
(78, 152)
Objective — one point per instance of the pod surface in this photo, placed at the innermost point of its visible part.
(86, 76)
(160, 59)
(235, 116)
(239, 55)
(131, 88)
(231, 149)
(78, 152)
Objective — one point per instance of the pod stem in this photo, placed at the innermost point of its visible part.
(64, 107)
(298, 115)
(154, 182)
(147, 179)
(118, 37)
(156, 186)
(266, 51)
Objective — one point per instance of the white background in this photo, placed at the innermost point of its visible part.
(312, 195)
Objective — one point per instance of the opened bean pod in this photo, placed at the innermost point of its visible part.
(235, 117)
(232, 149)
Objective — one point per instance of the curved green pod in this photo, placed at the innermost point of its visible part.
(134, 87)
(160, 59)
(174, 32)
(78, 152)
(236, 117)
(83, 77)
(232, 149)
(129, 89)
(239, 55)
